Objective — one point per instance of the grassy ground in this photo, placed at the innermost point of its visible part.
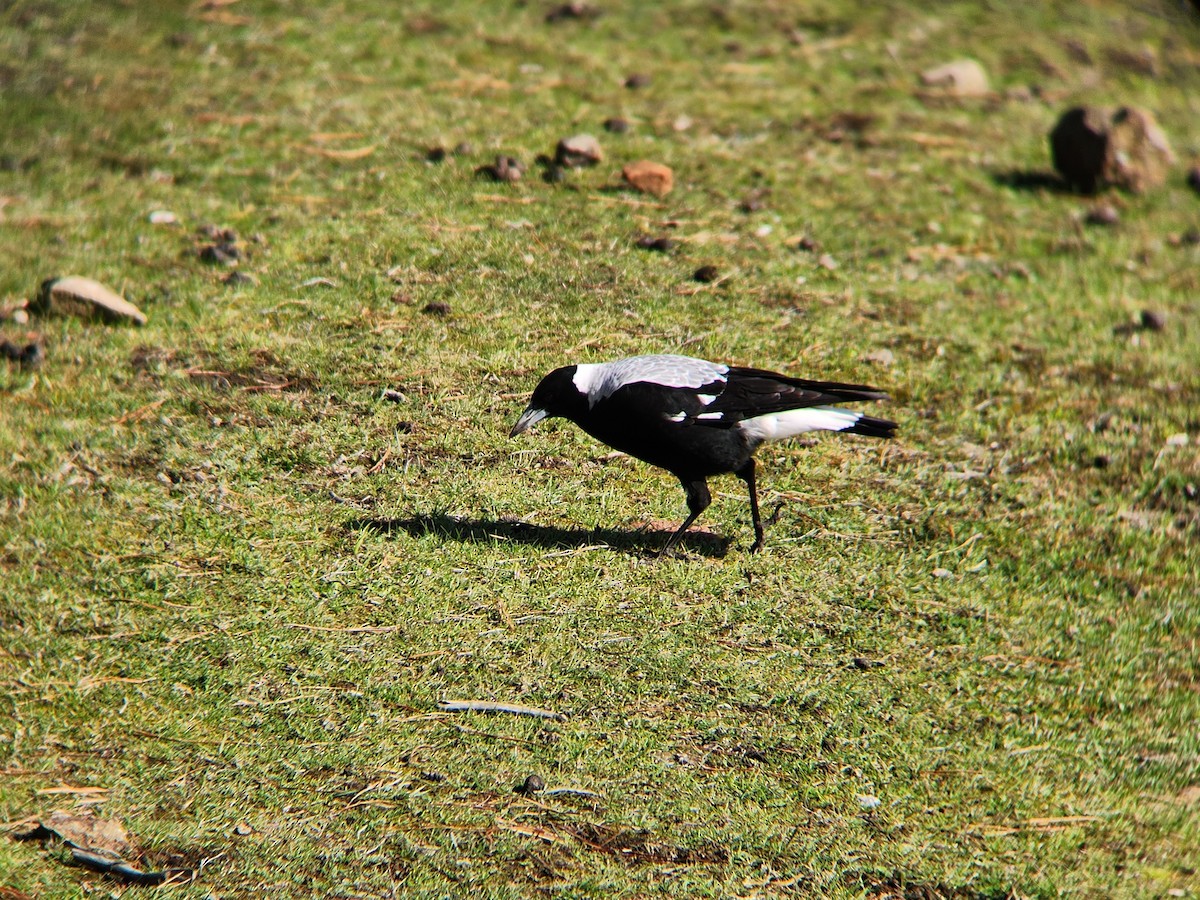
(236, 581)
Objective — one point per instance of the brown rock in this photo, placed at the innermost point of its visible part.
(83, 297)
(505, 168)
(1139, 154)
(649, 177)
(578, 151)
(1094, 146)
(961, 78)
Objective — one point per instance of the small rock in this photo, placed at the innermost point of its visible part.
(861, 662)
(826, 261)
(706, 274)
(578, 151)
(754, 201)
(19, 316)
(1101, 461)
(1094, 146)
(226, 254)
(505, 168)
(868, 801)
(437, 308)
(942, 573)
(531, 785)
(1153, 320)
(1193, 178)
(1104, 214)
(961, 78)
(682, 123)
(882, 357)
(616, 125)
(393, 396)
(569, 11)
(241, 829)
(163, 217)
(76, 296)
(237, 279)
(658, 245)
(649, 177)
(435, 154)
(637, 80)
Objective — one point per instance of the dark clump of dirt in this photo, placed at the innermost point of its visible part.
(899, 887)
(265, 371)
(640, 848)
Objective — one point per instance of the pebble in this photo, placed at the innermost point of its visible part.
(961, 78)
(706, 274)
(826, 261)
(658, 245)
(163, 217)
(505, 168)
(578, 151)
(30, 356)
(568, 11)
(637, 80)
(1104, 214)
(531, 785)
(437, 308)
(1153, 320)
(616, 125)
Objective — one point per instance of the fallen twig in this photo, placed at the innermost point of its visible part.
(486, 706)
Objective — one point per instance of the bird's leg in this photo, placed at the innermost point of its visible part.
(698, 499)
(746, 473)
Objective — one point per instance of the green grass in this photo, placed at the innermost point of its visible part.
(234, 599)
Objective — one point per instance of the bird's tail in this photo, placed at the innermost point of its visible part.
(870, 426)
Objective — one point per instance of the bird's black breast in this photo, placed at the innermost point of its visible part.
(638, 419)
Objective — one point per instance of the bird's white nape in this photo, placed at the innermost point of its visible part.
(586, 376)
(786, 424)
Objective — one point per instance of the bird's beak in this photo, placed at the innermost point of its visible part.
(528, 419)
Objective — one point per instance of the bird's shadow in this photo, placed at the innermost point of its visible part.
(640, 542)
(1033, 180)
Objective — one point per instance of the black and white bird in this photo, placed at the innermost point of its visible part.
(696, 418)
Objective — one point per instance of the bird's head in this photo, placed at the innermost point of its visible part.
(556, 395)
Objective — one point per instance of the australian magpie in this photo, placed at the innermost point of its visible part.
(696, 418)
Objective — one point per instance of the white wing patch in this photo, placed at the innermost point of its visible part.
(600, 380)
(786, 424)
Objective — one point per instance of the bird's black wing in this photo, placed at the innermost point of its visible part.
(757, 392)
